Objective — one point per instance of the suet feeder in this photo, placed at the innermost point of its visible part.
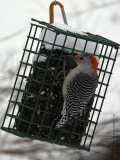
(36, 100)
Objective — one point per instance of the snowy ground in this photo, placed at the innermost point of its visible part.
(15, 17)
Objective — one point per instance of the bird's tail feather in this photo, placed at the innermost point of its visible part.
(62, 121)
(64, 118)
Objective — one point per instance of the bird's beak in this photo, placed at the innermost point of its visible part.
(73, 56)
(76, 56)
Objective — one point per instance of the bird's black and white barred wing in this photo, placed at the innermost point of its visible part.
(79, 92)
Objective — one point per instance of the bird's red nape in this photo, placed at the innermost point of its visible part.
(94, 63)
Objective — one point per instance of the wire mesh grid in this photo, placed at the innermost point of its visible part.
(36, 100)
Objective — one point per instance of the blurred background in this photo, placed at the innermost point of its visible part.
(96, 16)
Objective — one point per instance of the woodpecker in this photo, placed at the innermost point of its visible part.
(78, 87)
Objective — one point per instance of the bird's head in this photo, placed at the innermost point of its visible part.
(88, 61)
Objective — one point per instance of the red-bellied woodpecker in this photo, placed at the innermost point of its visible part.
(78, 87)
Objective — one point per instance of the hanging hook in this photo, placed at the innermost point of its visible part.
(55, 2)
(51, 11)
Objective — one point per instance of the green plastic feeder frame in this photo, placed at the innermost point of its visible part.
(36, 100)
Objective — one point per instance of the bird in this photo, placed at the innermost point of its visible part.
(78, 87)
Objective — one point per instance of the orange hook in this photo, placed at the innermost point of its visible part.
(51, 11)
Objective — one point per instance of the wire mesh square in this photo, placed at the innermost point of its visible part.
(36, 100)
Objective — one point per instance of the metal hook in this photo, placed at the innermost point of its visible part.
(55, 2)
(51, 11)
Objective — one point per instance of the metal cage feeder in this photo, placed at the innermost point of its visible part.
(36, 100)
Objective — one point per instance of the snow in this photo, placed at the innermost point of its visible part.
(67, 42)
(68, 28)
(42, 58)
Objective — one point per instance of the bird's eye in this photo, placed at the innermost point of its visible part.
(81, 58)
